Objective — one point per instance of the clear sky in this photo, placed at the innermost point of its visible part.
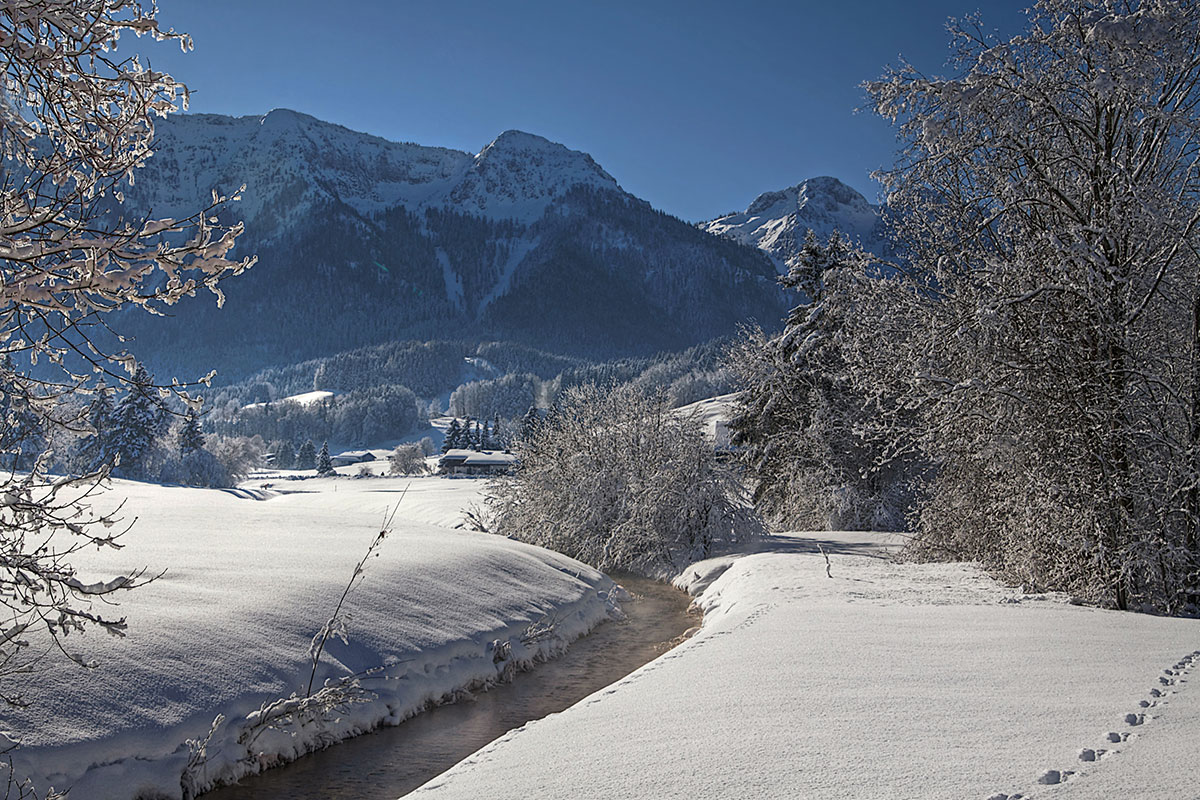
(694, 105)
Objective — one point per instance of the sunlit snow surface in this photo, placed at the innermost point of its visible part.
(251, 575)
(885, 680)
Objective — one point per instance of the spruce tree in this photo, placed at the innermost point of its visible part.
(137, 422)
(285, 455)
(453, 434)
(22, 435)
(530, 423)
(191, 438)
(324, 462)
(91, 451)
(307, 457)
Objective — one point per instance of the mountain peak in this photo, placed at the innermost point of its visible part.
(777, 221)
(519, 174)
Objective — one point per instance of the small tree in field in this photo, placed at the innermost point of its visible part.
(1043, 332)
(620, 481)
(324, 462)
(407, 459)
(76, 122)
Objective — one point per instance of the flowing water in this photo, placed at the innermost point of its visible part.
(393, 761)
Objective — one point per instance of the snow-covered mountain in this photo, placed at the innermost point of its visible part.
(363, 240)
(776, 222)
(290, 162)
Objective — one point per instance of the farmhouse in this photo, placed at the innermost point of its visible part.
(473, 462)
(352, 457)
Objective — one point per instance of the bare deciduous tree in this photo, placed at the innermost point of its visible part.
(1043, 330)
(76, 123)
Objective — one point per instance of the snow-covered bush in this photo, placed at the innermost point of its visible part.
(616, 479)
(408, 459)
(237, 455)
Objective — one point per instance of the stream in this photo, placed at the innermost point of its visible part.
(393, 761)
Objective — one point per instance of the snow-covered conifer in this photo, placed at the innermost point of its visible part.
(191, 438)
(306, 456)
(324, 462)
(453, 435)
(136, 424)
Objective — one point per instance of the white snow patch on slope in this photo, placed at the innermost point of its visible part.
(304, 399)
(520, 249)
(713, 415)
(453, 281)
(251, 576)
(886, 680)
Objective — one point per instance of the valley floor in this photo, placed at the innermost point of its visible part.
(885, 680)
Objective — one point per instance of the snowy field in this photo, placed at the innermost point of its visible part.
(251, 575)
(885, 680)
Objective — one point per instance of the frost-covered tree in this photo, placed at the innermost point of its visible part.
(306, 456)
(191, 438)
(285, 455)
(1043, 330)
(22, 434)
(530, 422)
(76, 122)
(137, 422)
(799, 418)
(407, 459)
(324, 462)
(620, 481)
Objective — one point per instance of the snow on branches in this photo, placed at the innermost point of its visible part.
(76, 123)
(1042, 330)
(619, 480)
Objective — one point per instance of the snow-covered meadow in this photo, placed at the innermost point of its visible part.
(250, 576)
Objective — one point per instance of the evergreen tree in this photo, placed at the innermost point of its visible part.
(191, 438)
(453, 435)
(89, 453)
(799, 417)
(530, 423)
(307, 457)
(137, 422)
(324, 462)
(22, 435)
(285, 455)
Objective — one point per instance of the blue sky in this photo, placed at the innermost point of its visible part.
(694, 106)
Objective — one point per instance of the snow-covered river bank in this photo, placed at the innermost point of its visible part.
(250, 576)
(885, 680)
(392, 761)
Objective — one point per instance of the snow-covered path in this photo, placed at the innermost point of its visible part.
(886, 680)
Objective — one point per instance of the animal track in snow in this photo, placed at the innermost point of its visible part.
(1172, 677)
